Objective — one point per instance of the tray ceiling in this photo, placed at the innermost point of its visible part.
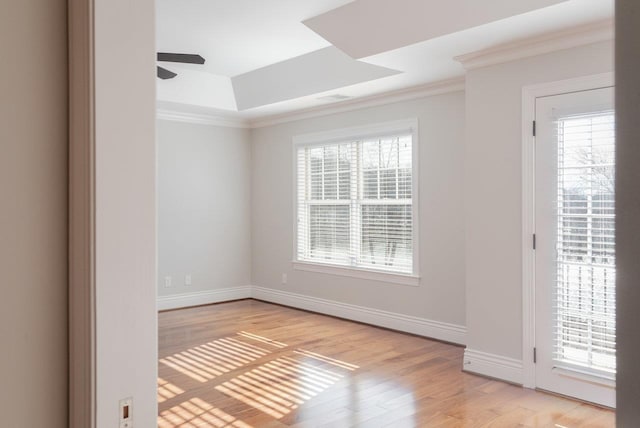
(266, 57)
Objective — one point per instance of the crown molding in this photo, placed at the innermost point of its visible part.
(414, 92)
(202, 119)
(577, 36)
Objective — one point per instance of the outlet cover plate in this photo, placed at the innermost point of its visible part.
(126, 413)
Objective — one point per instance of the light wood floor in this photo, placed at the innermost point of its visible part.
(253, 364)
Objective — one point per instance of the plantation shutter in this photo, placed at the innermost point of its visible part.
(585, 336)
(354, 203)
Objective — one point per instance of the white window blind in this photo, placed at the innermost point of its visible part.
(354, 203)
(585, 335)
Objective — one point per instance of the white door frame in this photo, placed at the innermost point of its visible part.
(529, 95)
(112, 297)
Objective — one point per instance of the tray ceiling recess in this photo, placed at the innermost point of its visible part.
(266, 57)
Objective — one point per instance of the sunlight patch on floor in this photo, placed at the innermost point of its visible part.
(198, 413)
(210, 360)
(279, 386)
(275, 387)
(323, 358)
(262, 339)
(167, 390)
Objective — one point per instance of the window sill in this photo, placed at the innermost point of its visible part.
(393, 278)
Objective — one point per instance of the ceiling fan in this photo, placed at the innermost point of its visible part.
(164, 74)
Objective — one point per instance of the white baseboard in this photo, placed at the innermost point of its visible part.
(493, 365)
(203, 297)
(437, 330)
(423, 327)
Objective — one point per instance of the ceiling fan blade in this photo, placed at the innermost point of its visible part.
(177, 57)
(164, 74)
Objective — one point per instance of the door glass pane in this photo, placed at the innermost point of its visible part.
(586, 271)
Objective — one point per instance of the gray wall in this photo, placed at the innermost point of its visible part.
(33, 217)
(628, 210)
(440, 295)
(203, 207)
(494, 189)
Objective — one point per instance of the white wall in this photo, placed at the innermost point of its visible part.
(494, 189)
(33, 213)
(441, 295)
(203, 207)
(125, 229)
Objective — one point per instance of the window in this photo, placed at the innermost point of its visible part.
(355, 199)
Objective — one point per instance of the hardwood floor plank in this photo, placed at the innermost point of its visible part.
(249, 364)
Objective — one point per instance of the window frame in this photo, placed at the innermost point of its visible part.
(349, 135)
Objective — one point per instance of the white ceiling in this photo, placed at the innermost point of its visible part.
(401, 23)
(266, 57)
(318, 71)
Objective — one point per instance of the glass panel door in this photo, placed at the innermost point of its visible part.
(575, 254)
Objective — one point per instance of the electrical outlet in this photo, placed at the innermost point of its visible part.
(167, 281)
(284, 278)
(126, 413)
(187, 280)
